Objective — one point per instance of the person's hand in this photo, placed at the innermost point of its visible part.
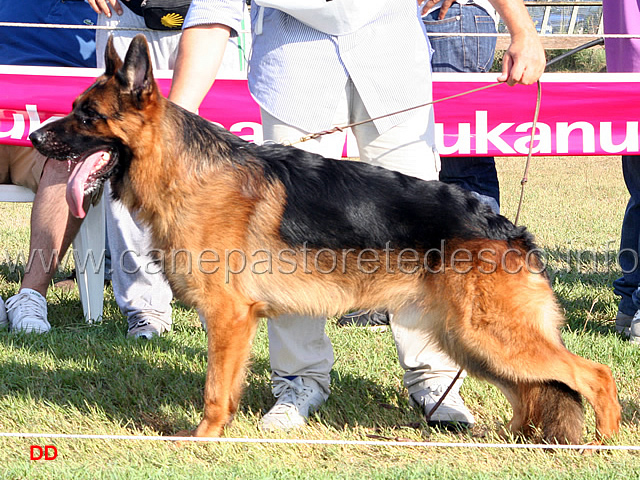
(524, 61)
(432, 3)
(105, 6)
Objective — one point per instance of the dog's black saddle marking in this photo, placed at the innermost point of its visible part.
(339, 203)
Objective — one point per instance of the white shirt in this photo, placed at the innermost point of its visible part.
(298, 74)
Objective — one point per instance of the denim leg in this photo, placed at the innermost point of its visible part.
(628, 286)
(465, 54)
(461, 54)
(477, 174)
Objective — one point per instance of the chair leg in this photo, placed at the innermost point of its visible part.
(88, 253)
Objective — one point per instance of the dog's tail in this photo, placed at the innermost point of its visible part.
(552, 412)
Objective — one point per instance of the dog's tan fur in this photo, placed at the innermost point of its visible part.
(501, 326)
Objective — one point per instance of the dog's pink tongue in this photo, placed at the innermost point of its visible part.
(78, 179)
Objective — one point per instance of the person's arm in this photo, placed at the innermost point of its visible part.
(200, 54)
(524, 61)
(105, 6)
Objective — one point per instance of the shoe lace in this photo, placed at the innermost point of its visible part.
(27, 305)
(435, 391)
(139, 322)
(290, 391)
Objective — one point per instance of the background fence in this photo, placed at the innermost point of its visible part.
(562, 24)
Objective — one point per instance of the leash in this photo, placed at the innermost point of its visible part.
(444, 395)
(525, 177)
(342, 128)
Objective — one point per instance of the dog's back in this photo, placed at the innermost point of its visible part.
(336, 203)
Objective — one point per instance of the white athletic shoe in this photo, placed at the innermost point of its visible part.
(27, 312)
(452, 413)
(146, 327)
(298, 398)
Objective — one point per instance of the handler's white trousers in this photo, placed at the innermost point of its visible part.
(299, 345)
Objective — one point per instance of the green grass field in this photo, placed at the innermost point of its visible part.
(82, 379)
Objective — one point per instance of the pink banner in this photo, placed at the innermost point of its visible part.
(580, 114)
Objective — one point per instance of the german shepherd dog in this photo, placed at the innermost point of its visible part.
(425, 250)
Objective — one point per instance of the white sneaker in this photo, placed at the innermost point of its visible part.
(634, 329)
(298, 398)
(27, 312)
(452, 413)
(4, 321)
(146, 327)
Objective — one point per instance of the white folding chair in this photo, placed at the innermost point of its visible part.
(88, 242)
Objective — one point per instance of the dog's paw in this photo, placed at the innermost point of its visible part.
(180, 435)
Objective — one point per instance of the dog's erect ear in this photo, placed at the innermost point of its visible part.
(112, 60)
(136, 75)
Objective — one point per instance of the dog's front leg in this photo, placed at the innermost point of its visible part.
(231, 328)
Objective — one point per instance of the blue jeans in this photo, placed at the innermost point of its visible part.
(466, 54)
(628, 286)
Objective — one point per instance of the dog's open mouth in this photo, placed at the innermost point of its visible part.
(87, 175)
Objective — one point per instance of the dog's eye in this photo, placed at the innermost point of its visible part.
(88, 116)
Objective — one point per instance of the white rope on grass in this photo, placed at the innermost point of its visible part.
(298, 441)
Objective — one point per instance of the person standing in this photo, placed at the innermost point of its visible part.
(623, 55)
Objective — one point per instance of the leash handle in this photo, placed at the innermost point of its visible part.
(525, 175)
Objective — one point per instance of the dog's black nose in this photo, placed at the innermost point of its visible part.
(37, 137)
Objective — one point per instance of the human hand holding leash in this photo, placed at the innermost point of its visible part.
(524, 61)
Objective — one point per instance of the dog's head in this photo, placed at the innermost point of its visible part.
(106, 121)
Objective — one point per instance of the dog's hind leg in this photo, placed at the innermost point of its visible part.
(530, 353)
(549, 410)
(231, 326)
(505, 329)
(596, 383)
(548, 397)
